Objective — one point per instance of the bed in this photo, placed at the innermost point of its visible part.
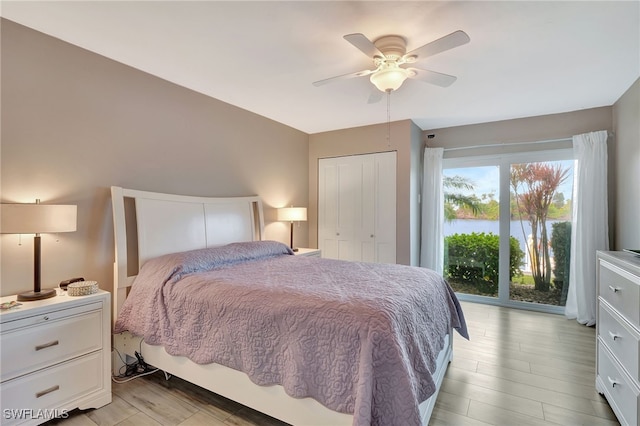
(306, 340)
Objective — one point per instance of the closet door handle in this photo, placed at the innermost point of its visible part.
(614, 289)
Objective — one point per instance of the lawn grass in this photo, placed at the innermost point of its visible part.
(525, 279)
(521, 289)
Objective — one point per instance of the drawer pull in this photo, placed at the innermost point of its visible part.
(55, 388)
(613, 382)
(614, 336)
(614, 289)
(47, 345)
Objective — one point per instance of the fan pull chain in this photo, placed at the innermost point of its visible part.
(389, 119)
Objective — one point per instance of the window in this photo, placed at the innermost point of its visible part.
(508, 227)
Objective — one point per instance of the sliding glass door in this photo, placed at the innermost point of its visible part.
(471, 229)
(508, 228)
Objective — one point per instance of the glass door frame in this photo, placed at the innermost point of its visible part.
(504, 162)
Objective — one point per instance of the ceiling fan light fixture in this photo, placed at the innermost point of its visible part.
(389, 79)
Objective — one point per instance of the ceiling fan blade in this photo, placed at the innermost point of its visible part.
(375, 96)
(363, 44)
(432, 77)
(342, 77)
(455, 39)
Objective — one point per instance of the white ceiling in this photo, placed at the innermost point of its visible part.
(524, 58)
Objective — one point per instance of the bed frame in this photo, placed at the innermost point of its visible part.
(148, 224)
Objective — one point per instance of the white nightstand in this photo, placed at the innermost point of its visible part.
(310, 252)
(55, 357)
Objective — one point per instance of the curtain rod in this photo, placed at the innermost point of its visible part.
(508, 144)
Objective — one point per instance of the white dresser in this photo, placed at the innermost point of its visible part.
(618, 329)
(55, 357)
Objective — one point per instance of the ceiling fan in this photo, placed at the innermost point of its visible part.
(389, 53)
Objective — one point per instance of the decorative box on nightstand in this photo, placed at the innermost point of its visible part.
(310, 252)
(55, 357)
(618, 329)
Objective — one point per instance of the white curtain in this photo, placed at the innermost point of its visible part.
(432, 238)
(590, 229)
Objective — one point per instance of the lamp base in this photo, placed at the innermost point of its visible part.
(30, 296)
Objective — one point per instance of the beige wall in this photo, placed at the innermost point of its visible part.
(530, 129)
(626, 122)
(417, 149)
(366, 140)
(74, 123)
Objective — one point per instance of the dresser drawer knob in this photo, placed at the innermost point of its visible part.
(614, 289)
(47, 345)
(613, 382)
(614, 336)
(55, 388)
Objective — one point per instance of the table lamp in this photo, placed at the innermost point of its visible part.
(292, 214)
(36, 219)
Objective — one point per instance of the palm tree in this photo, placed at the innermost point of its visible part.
(457, 200)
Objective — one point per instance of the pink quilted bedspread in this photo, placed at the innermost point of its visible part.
(360, 338)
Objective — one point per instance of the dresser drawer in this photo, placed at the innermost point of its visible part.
(621, 394)
(621, 339)
(54, 339)
(52, 387)
(621, 290)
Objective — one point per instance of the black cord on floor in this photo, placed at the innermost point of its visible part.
(134, 370)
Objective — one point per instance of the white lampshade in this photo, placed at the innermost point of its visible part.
(389, 79)
(37, 218)
(292, 214)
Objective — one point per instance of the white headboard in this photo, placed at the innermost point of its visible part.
(150, 224)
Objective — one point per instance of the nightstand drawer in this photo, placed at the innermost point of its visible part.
(27, 349)
(51, 388)
(621, 290)
(621, 394)
(621, 339)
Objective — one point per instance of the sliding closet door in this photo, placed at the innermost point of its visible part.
(385, 207)
(337, 193)
(365, 245)
(357, 207)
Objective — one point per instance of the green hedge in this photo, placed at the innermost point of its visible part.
(473, 258)
(561, 246)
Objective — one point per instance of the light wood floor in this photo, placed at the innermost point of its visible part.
(519, 368)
